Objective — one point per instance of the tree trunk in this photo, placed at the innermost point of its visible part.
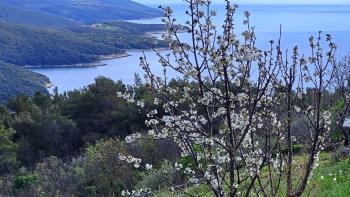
(346, 134)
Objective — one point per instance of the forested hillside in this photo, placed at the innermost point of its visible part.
(15, 80)
(89, 11)
(46, 33)
(24, 45)
(14, 14)
(55, 33)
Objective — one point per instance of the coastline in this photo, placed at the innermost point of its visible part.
(96, 63)
(101, 58)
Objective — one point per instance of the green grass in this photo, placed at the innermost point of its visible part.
(330, 179)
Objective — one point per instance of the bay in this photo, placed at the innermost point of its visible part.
(298, 24)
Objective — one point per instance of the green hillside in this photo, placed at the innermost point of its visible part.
(15, 80)
(23, 45)
(60, 32)
(14, 14)
(51, 32)
(89, 11)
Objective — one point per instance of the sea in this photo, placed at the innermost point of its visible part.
(298, 22)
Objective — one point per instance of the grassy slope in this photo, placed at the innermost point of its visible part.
(330, 179)
(15, 80)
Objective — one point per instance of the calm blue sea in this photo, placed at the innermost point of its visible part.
(298, 24)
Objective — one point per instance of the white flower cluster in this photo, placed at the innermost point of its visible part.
(214, 182)
(136, 193)
(128, 97)
(133, 137)
(131, 160)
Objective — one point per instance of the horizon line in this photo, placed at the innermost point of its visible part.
(265, 4)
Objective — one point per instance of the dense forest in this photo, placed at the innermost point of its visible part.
(23, 45)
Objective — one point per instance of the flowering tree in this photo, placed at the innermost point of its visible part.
(234, 120)
(342, 83)
(316, 73)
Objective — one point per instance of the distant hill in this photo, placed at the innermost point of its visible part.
(61, 32)
(15, 14)
(57, 32)
(88, 11)
(15, 80)
(24, 45)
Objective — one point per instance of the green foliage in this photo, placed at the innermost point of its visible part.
(21, 182)
(337, 135)
(24, 45)
(41, 131)
(155, 151)
(91, 189)
(297, 148)
(62, 125)
(59, 178)
(15, 80)
(340, 104)
(186, 161)
(8, 149)
(99, 113)
(105, 171)
(97, 172)
(159, 178)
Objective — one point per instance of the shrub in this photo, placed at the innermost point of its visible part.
(158, 179)
(22, 182)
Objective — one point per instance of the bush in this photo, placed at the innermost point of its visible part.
(158, 179)
(297, 148)
(105, 174)
(8, 149)
(155, 151)
(341, 154)
(59, 178)
(25, 181)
